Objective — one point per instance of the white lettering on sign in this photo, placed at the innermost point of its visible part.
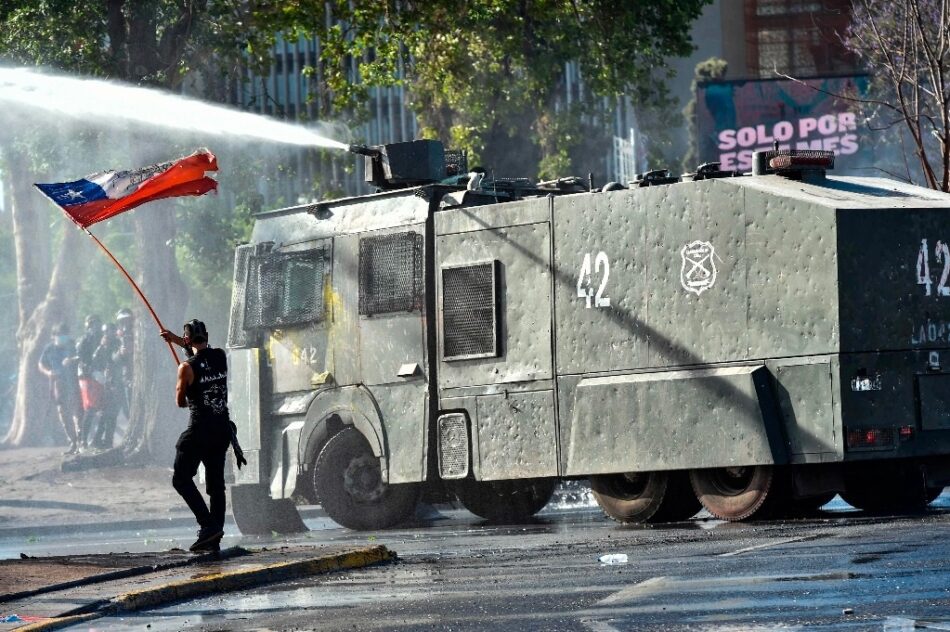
(585, 284)
(830, 132)
(941, 255)
(698, 271)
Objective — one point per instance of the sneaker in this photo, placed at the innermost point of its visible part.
(208, 540)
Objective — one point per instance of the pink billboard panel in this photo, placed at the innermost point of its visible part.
(736, 118)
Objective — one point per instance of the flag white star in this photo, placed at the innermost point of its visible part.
(74, 195)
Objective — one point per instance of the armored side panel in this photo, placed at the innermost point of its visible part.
(493, 269)
(679, 276)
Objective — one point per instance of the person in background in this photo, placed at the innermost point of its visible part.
(89, 386)
(58, 364)
(122, 359)
(103, 358)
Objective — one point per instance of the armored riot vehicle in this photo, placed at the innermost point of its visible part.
(752, 344)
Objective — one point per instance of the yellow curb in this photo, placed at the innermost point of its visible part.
(246, 578)
(58, 623)
(223, 582)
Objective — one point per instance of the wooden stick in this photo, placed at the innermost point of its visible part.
(134, 287)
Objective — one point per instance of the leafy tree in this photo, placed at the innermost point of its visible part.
(487, 75)
(708, 70)
(907, 43)
(145, 43)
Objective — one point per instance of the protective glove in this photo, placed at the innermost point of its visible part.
(238, 452)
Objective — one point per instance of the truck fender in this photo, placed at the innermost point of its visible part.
(348, 405)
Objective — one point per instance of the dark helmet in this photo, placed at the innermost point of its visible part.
(93, 322)
(123, 314)
(195, 331)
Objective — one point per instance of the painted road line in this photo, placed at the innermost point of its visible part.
(770, 544)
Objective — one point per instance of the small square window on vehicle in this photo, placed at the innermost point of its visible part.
(285, 288)
(470, 311)
(391, 273)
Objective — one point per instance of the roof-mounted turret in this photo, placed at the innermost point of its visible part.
(409, 164)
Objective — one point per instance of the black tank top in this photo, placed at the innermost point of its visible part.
(208, 392)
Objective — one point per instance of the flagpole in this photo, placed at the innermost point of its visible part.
(134, 287)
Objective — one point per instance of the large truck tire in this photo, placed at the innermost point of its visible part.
(734, 493)
(256, 513)
(505, 502)
(645, 496)
(348, 481)
(810, 505)
(887, 489)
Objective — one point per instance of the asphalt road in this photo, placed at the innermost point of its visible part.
(844, 570)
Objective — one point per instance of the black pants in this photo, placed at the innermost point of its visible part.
(207, 445)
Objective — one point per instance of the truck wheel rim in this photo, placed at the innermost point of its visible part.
(732, 481)
(633, 484)
(362, 479)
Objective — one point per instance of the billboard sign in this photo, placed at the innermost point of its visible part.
(735, 118)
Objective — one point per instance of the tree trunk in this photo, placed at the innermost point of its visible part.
(34, 421)
(33, 418)
(155, 420)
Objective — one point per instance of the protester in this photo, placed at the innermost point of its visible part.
(89, 386)
(104, 360)
(58, 363)
(122, 359)
(203, 387)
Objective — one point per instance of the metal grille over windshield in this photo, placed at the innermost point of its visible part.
(391, 273)
(285, 289)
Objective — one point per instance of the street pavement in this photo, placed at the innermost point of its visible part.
(843, 570)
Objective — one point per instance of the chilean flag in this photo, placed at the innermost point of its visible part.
(103, 195)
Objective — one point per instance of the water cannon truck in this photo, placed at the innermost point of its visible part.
(751, 344)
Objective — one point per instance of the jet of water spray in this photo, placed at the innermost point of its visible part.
(105, 101)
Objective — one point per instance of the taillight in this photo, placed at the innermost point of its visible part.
(906, 432)
(871, 437)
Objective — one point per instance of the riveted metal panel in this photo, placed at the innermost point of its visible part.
(244, 403)
(344, 333)
(524, 303)
(696, 270)
(404, 412)
(296, 356)
(244, 395)
(609, 228)
(672, 420)
(518, 213)
(338, 217)
(515, 436)
(934, 401)
(792, 265)
(804, 397)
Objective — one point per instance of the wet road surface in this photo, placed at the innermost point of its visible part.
(844, 570)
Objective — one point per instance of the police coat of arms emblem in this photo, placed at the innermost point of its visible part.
(698, 272)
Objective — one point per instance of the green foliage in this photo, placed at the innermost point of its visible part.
(709, 70)
(486, 75)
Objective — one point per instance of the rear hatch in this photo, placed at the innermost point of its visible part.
(894, 318)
